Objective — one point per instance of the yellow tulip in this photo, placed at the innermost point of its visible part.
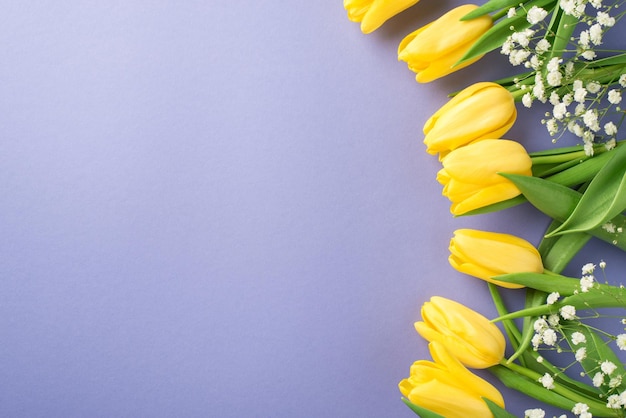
(470, 173)
(447, 388)
(470, 337)
(488, 254)
(373, 13)
(433, 50)
(482, 110)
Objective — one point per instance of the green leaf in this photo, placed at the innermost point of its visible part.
(491, 6)
(546, 282)
(496, 206)
(497, 410)
(604, 199)
(420, 411)
(558, 202)
(556, 252)
(495, 37)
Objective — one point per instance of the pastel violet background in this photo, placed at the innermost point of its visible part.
(223, 209)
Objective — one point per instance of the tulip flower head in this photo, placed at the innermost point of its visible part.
(466, 334)
(481, 111)
(373, 13)
(488, 254)
(447, 388)
(470, 176)
(434, 50)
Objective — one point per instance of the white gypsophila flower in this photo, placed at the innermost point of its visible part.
(602, 264)
(609, 227)
(542, 46)
(554, 320)
(596, 3)
(613, 402)
(549, 337)
(615, 381)
(536, 15)
(588, 54)
(593, 87)
(552, 126)
(536, 341)
(590, 119)
(580, 408)
(609, 145)
(547, 381)
(540, 324)
(580, 109)
(588, 146)
(534, 62)
(622, 80)
(580, 354)
(615, 96)
(534, 413)
(518, 56)
(554, 98)
(554, 78)
(552, 298)
(578, 338)
(583, 39)
(580, 94)
(588, 268)
(605, 19)
(568, 312)
(507, 46)
(575, 128)
(553, 64)
(586, 282)
(610, 128)
(577, 84)
(608, 367)
(511, 12)
(559, 111)
(522, 37)
(527, 100)
(622, 397)
(539, 359)
(621, 341)
(567, 99)
(598, 379)
(595, 34)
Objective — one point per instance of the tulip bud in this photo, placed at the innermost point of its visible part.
(467, 335)
(482, 110)
(447, 388)
(373, 13)
(434, 50)
(470, 173)
(488, 254)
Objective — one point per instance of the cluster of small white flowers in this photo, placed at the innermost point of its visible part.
(547, 381)
(582, 410)
(586, 282)
(534, 413)
(577, 106)
(544, 333)
(552, 298)
(620, 340)
(568, 312)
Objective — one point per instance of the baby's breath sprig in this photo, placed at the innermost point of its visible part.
(559, 44)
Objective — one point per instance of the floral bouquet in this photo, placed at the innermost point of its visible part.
(554, 48)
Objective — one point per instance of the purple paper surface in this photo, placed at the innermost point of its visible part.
(225, 209)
